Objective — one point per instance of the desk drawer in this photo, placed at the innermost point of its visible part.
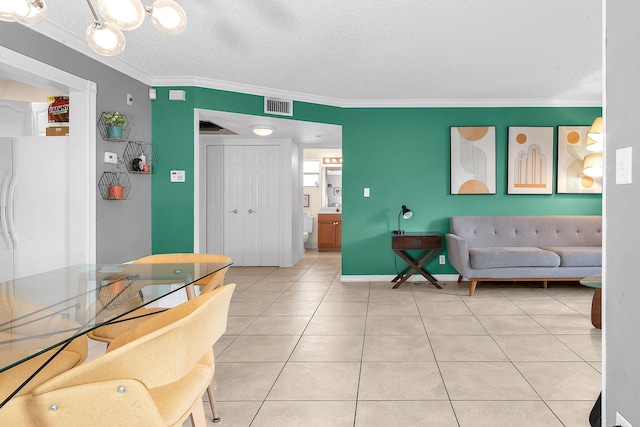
(416, 242)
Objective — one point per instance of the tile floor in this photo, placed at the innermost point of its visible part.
(304, 349)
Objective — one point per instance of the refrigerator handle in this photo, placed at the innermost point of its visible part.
(3, 209)
(10, 214)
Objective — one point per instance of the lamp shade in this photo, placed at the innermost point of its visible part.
(592, 165)
(105, 39)
(168, 16)
(406, 212)
(124, 14)
(36, 14)
(14, 10)
(595, 137)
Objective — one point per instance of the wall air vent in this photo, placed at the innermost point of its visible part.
(281, 107)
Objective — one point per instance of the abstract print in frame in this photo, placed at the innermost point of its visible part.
(572, 148)
(473, 160)
(530, 160)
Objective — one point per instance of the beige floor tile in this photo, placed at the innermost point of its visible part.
(491, 307)
(543, 348)
(401, 381)
(318, 285)
(544, 307)
(582, 306)
(328, 349)
(562, 380)
(222, 343)
(317, 381)
(336, 325)
(531, 292)
(596, 365)
(401, 348)
(237, 324)
(232, 414)
(297, 295)
(393, 308)
(491, 414)
(247, 308)
(259, 348)
(485, 381)
(566, 323)
(390, 295)
(339, 294)
(435, 295)
(453, 325)
(394, 325)
(511, 325)
(278, 325)
(443, 308)
(342, 308)
(405, 414)
(572, 413)
(466, 348)
(588, 347)
(270, 285)
(308, 414)
(245, 381)
(291, 308)
(257, 295)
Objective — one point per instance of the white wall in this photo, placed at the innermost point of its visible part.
(621, 207)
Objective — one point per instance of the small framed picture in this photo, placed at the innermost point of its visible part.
(337, 191)
(305, 200)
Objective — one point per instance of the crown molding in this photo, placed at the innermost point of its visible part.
(55, 32)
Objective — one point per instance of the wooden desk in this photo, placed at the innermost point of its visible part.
(429, 243)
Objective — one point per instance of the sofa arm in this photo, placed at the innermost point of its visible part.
(458, 250)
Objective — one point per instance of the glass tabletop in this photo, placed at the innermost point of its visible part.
(592, 281)
(40, 312)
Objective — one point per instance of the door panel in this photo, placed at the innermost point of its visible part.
(232, 214)
(215, 200)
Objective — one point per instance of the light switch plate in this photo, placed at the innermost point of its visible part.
(623, 165)
(367, 192)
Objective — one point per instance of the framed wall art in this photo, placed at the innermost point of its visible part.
(530, 160)
(473, 160)
(572, 148)
(305, 200)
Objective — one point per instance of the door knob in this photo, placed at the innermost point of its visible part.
(252, 211)
(234, 211)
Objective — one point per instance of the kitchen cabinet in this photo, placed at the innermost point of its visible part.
(329, 232)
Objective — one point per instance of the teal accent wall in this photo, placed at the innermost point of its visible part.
(401, 154)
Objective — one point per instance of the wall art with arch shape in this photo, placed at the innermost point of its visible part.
(530, 160)
(473, 160)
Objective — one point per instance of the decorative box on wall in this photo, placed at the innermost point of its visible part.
(114, 185)
(114, 126)
(140, 157)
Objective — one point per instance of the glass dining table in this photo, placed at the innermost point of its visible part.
(44, 311)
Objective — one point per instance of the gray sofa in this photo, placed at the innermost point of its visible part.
(531, 248)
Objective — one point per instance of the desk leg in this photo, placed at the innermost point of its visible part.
(416, 265)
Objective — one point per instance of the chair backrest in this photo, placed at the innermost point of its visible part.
(160, 350)
(209, 283)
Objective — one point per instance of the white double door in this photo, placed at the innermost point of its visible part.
(243, 203)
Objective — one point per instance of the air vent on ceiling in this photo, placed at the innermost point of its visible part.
(282, 107)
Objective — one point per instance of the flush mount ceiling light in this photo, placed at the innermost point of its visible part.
(105, 35)
(262, 130)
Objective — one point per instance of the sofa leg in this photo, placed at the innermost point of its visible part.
(544, 284)
(459, 278)
(472, 287)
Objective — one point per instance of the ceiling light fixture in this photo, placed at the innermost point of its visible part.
(105, 35)
(262, 130)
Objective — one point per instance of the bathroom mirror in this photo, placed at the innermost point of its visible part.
(331, 178)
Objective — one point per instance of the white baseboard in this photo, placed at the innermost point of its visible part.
(385, 278)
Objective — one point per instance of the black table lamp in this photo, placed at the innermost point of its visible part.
(405, 213)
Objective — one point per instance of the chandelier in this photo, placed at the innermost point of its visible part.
(105, 35)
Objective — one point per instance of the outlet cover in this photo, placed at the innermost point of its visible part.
(442, 260)
(110, 157)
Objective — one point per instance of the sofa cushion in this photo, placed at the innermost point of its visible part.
(523, 256)
(578, 256)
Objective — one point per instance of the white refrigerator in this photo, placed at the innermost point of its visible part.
(34, 205)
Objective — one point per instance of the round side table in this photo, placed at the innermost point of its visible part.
(596, 303)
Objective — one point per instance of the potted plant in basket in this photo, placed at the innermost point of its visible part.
(116, 187)
(115, 122)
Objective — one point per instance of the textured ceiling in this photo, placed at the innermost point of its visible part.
(369, 52)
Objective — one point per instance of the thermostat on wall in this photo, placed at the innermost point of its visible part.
(177, 176)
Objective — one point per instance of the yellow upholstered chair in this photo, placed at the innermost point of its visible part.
(151, 375)
(109, 332)
(28, 334)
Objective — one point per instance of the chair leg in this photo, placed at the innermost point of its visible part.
(212, 401)
(197, 416)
